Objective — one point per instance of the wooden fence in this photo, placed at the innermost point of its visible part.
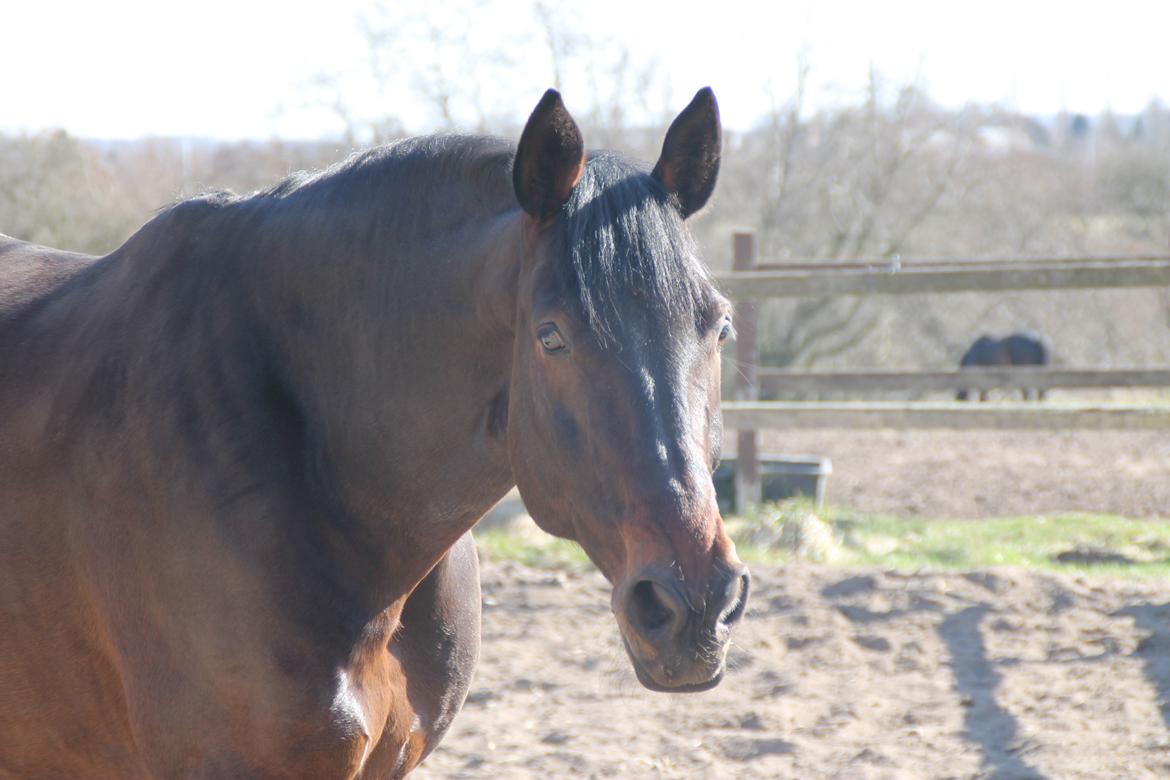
(774, 381)
(752, 280)
(962, 277)
(747, 416)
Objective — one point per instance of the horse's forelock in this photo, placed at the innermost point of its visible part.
(622, 242)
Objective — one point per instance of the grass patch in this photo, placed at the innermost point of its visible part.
(536, 549)
(1076, 542)
(1081, 543)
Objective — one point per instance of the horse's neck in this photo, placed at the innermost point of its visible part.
(409, 410)
(215, 368)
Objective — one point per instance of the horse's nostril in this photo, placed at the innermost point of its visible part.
(650, 606)
(736, 599)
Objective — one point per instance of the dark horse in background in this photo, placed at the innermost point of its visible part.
(1024, 348)
(240, 456)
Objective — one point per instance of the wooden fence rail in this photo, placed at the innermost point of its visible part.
(874, 415)
(753, 280)
(954, 264)
(774, 381)
(1087, 275)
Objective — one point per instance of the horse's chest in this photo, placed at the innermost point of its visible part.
(360, 735)
(371, 715)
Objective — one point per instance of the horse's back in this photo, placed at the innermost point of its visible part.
(984, 352)
(1028, 348)
(29, 272)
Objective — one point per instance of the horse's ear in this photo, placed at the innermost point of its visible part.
(689, 163)
(549, 159)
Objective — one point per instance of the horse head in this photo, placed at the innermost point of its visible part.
(613, 409)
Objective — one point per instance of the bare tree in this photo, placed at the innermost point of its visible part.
(845, 184)
(472, 81)
(57, 190)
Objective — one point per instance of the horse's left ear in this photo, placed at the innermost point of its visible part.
(689, 163)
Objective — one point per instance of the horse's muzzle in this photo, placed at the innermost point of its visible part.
(674, 644)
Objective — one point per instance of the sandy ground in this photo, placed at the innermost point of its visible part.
(837, 674)
(860, 673)
(989, 473)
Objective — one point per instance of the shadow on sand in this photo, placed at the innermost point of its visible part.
(986, 723)
(1154, 650)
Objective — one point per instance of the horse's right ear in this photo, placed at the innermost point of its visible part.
(549, 159)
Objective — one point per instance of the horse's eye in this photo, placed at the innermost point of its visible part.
(725, 334)
(551, 338)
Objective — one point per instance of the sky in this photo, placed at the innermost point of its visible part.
(230, 69)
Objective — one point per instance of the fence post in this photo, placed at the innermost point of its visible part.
(747, 466)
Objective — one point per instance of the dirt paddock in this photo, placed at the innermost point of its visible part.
(836, 674)
(858, 674)
(989, 473)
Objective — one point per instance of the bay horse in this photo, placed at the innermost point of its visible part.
(1023, 348)
(241, 455)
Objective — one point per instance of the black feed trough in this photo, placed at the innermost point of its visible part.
(783, 476)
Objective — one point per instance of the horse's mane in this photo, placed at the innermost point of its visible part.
(418, 165)
(620, 237)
